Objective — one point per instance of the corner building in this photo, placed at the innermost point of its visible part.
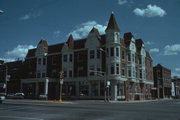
(87, 63)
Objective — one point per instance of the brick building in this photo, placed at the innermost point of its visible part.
(162, 81)
(10, 76)
(124, 61)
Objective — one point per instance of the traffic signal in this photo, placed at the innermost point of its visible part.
(61, 75)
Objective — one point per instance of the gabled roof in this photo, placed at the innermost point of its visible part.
(70, 42)
(79, 44)
(148, 55)
(31, 53)
(94, 30)
(127, 38)
(112, 25)
(55, 48)
(43, 42)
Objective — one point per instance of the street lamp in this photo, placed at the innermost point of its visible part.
(106, 82)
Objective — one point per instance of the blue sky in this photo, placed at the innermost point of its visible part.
(23, 23)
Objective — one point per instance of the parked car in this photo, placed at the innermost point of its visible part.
(2, 97)
(16, 96)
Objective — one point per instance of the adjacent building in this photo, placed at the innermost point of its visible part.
(176, 87)
(162, 81)
(10, 76)
(88, 64)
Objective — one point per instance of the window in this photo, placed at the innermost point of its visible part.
(123, 70)
(65, 58)
(65, 73)
(112, 69)
(107, 52)
(123, 55)
(134, 72)
(98, 68)
(44, 61)
(39, 61)
(133, 57)
(70, 57)
(129, 71)
(140, 60)
(91, 54)
(129, 56)
(98, 54)
(91, 68)
(70, 73)
(54, 73)
(54, 60)
(43, 75)
(117, 51)
(140, 74)
(38, 75)
(117, 68)
(112, 51)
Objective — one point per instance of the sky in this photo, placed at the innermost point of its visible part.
(23, 23)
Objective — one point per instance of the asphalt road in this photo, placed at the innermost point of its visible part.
(89, 110)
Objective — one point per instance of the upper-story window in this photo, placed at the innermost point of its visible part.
(39, 61)
(65, 58)
(112, 51)
(117, 68)
(54, 60)
(38, 75)
(117, 51)
(98, 52)
(70, 57)
(129, 71)
(140, 74)
(133, 58)
(107, 52)
(91, 54)
(70, 73)
(43, 75)
(123, 70)
(44, 61)
(129, 56)
(123, 54)
(112, 69)
(91, 68)
(140, 62)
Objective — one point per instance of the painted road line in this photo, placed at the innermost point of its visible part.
(23, 118)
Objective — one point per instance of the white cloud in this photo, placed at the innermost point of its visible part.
(172, 49)
(121, 2)
(18, 52)
(1, 11)
(150, 11)
(149, 43)
(56, 33)
(175, 74)
(83, 29)
(154, 50)
(177, 69)
(30, 15)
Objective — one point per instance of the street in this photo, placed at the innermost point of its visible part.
(89, 110)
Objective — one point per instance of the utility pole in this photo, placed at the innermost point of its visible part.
(61, 84)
